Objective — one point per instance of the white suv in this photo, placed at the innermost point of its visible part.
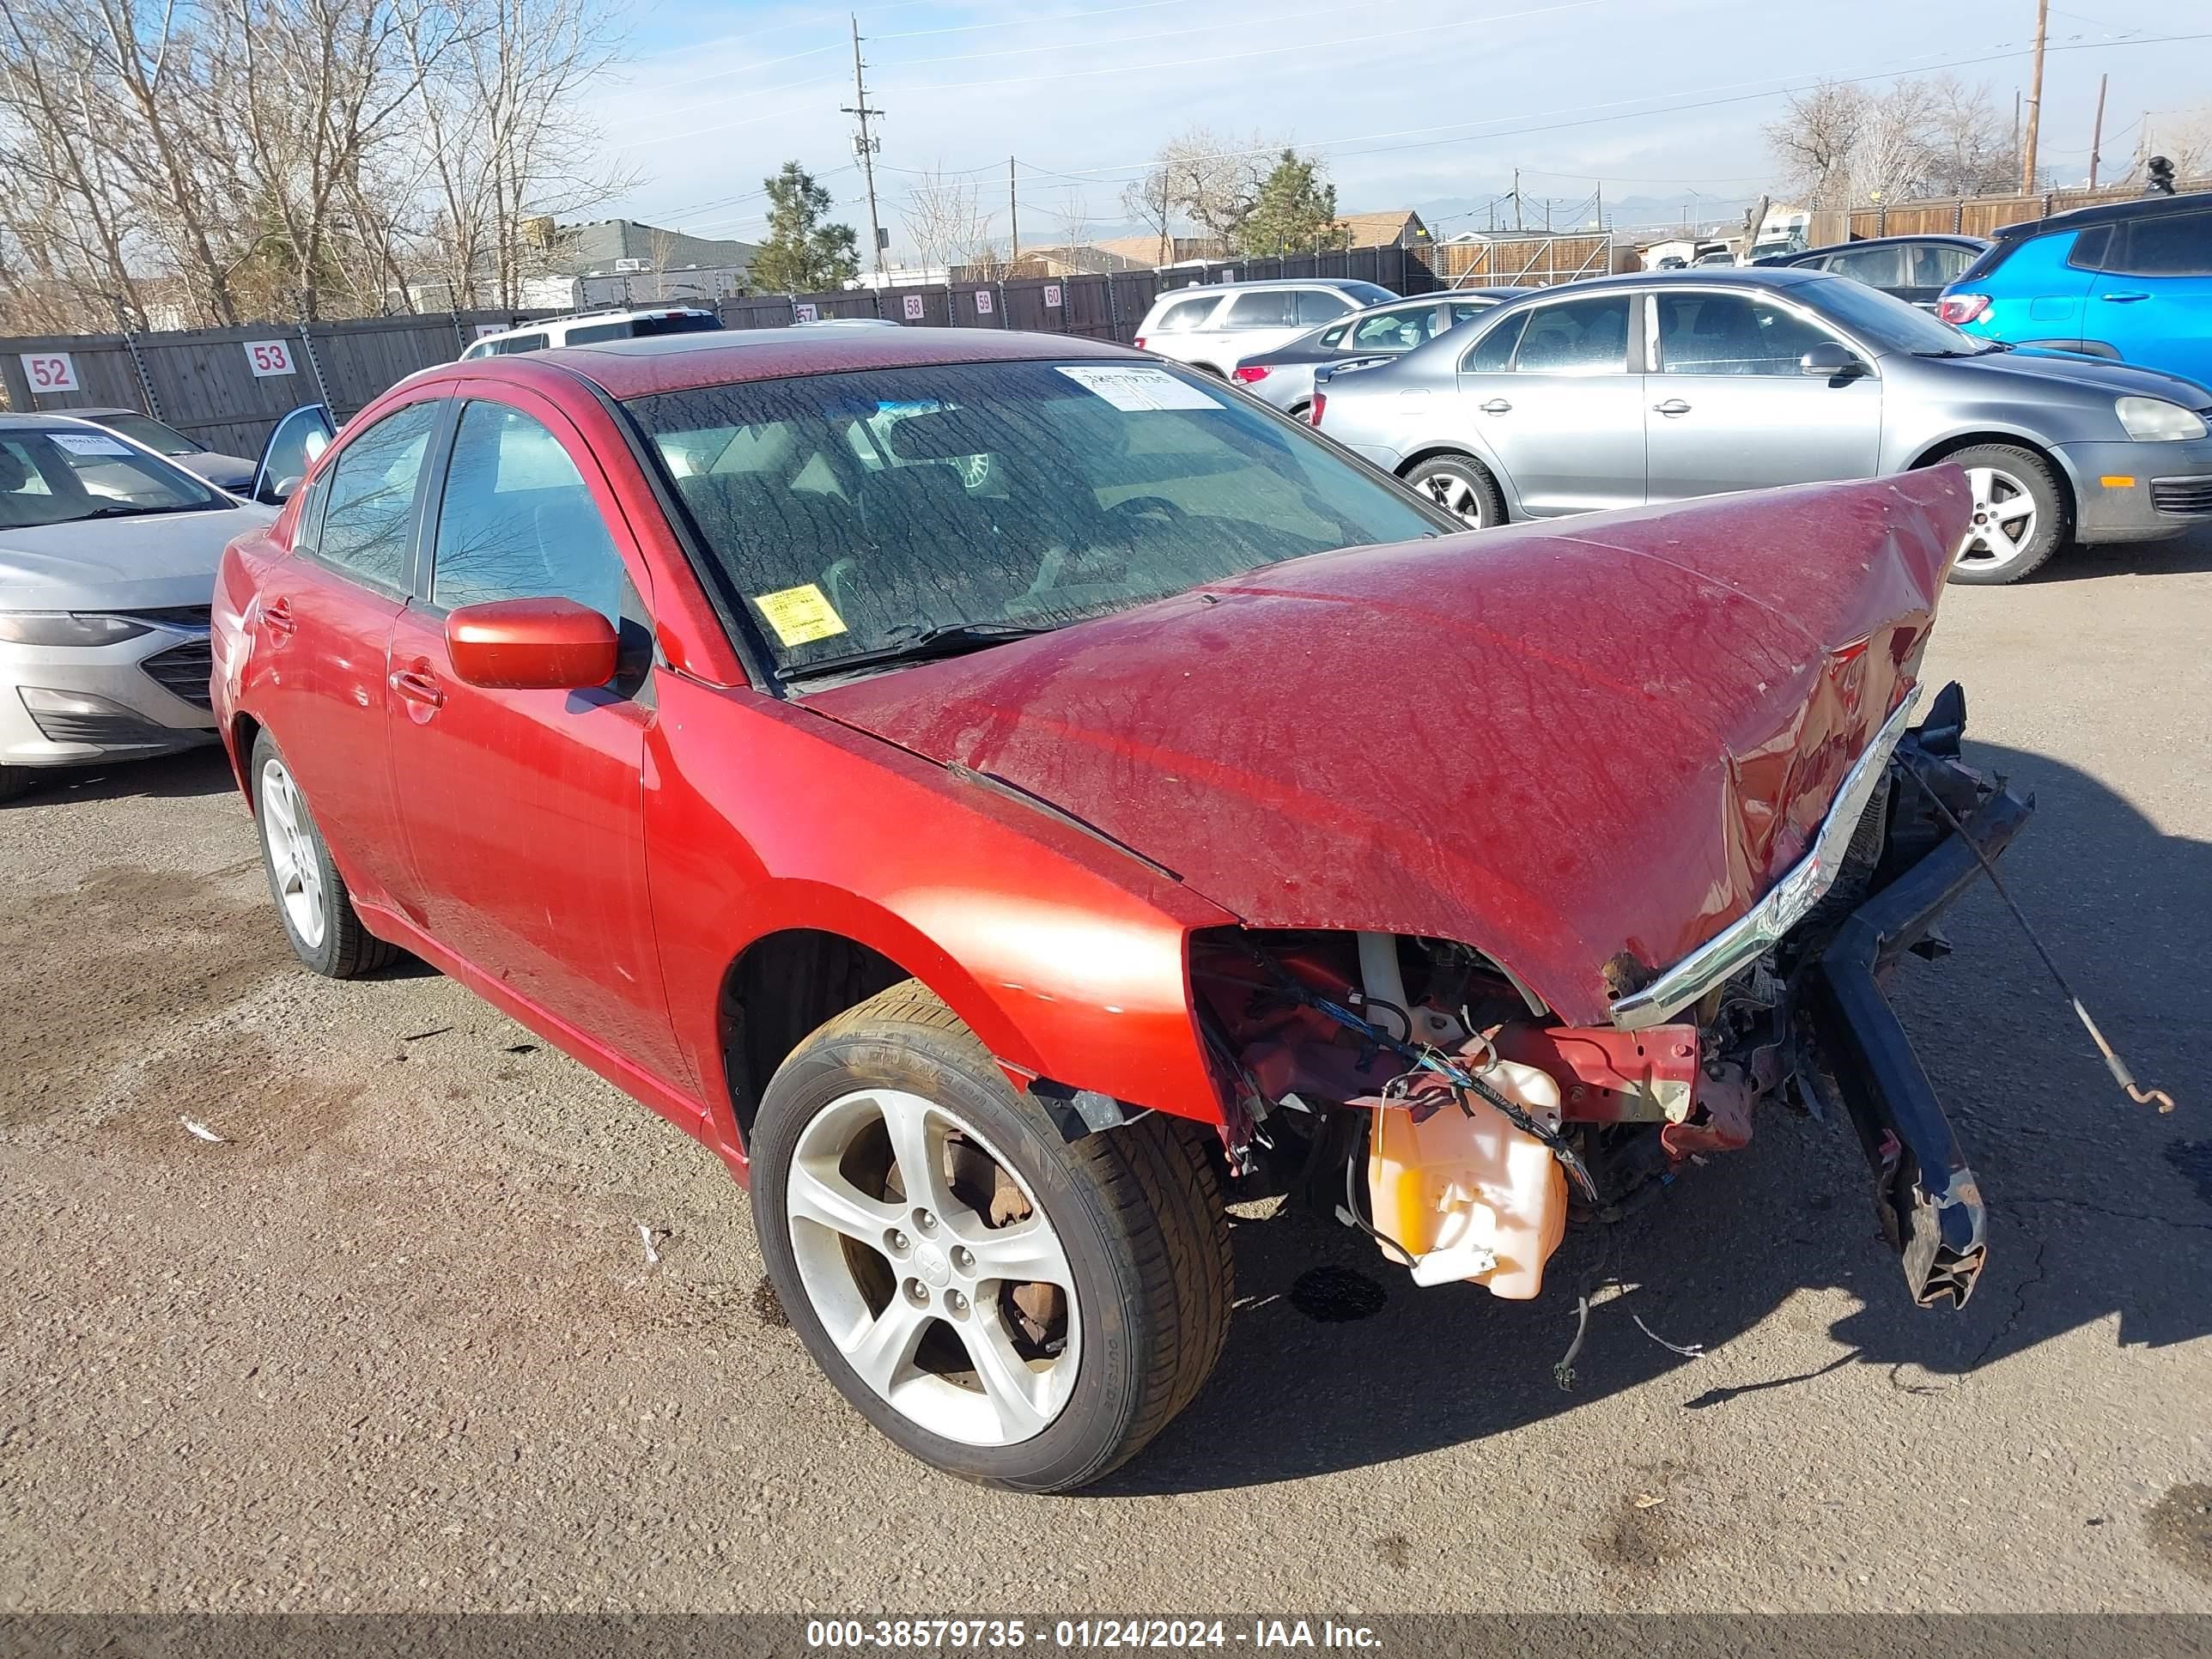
(586, 326)
(1218, 326)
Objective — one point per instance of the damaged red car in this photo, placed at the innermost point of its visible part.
(1003, 794)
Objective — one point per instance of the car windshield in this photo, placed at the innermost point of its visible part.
(1892, 323)
(55, 476)
(861, 517)
(145, 430)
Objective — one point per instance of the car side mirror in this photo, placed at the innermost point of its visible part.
(532, 645)
(282, 491)
(1829, 362)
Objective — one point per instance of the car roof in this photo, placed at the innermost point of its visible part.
(1689, 277)
(1948, 238)
(1200, 290)
(680, 362)
(2105, 213)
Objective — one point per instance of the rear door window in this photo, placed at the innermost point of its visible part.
(1278, 309)
(1493, 352)
(1316, 307)
(1585, 336)
(1394, 331)
(1877, 267)
(2165, 245)
(1935, 264)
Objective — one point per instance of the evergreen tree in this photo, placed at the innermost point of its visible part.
(802, 255)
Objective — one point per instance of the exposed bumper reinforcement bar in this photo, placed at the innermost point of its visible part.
(1929, 1204)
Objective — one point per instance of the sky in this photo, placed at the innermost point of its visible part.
(1652, 102)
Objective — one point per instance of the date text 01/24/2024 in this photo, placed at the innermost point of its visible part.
(1084, 1634)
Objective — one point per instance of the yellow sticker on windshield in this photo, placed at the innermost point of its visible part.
(800, 615)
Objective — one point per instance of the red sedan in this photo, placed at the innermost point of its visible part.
(1005, 793)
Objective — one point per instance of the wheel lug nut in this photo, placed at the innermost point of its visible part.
(963, 1258)
(917, 1293)
(899, 1243)
(925, 1220)
(955, 1301)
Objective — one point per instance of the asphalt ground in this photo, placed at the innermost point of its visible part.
(394, 1343)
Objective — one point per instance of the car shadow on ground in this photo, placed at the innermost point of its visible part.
(2099, 1208)
(2189, 554)
(203, 771)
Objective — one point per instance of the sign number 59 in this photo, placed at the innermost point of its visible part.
(267, 357)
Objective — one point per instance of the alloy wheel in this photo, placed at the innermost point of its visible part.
(1457, 495)
(2004, 518)
(932, 1268)
(292, 856)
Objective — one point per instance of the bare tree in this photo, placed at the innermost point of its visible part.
(1213, 181)
(1840, 143)
(946, 220)
(1149, 198)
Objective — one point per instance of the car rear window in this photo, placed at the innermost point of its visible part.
(2164, 245)
(691, 322)
(1183, 314)
(2089, 248)
(856, 513)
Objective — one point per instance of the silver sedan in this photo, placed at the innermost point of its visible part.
(107, 558)
(1664, 385)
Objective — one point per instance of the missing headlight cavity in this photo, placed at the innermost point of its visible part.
(1337, 1296)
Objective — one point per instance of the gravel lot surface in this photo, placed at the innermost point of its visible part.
(394, 1342)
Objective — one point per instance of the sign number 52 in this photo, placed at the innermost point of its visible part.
(49, 371)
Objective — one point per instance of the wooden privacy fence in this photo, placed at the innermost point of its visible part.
(1971, 216)
(225, 387)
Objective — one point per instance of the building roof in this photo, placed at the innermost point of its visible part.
(578, 249)
(1379, 227)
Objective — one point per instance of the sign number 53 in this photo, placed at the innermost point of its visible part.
(267, 357)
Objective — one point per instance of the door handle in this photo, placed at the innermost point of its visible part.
(2126, 299)
(277, 619)
(418, 687)
(1497, 406)
(1672, 406)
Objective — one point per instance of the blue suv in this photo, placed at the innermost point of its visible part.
(2126, 280)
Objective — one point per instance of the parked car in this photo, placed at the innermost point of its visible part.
(1218, 326)
(107, 557)
(990, 862)
(1285, 376)
(1660, 386)
(1916, 269)
(227, 472)
(2131, 281)
(590, 327)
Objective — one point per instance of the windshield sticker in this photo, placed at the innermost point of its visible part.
(800, 615)
(1137, 387)
(89, 443)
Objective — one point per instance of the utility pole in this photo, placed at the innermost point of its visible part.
(864, 145)
(2034, 100)
(2097, 132)
(1013, 218)
(1516, 198)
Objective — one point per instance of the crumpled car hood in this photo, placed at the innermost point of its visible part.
(1582, 748)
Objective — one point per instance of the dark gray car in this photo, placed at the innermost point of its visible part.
(1664, 385)
(1285, 376)
(230, 472)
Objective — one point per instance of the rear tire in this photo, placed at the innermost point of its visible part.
(2007, 539)
(1463, 487)
(1126, 1228)
(317, 913)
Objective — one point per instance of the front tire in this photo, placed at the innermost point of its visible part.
(1462, 486)
(312, 902)
(2020, 515)
(1005, 1306)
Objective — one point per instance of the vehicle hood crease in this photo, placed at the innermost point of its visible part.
(1560, 745)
